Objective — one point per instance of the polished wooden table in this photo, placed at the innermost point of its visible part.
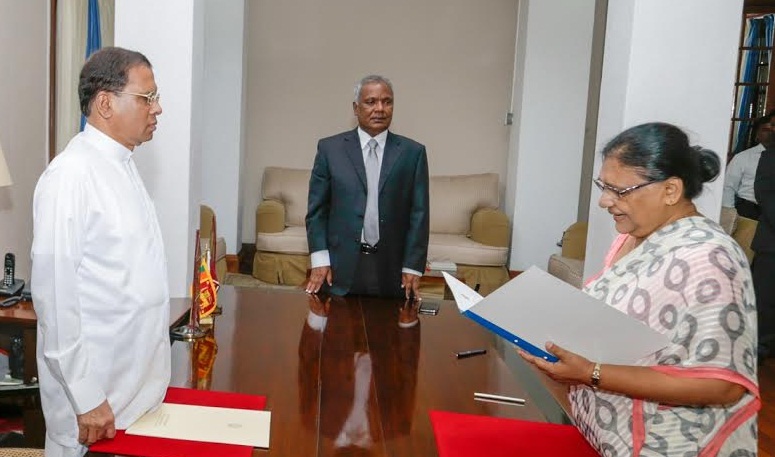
(349, 376)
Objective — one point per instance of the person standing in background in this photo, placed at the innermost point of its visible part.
(763, 244)
(98, 264)
(741, 171)
(368, 205)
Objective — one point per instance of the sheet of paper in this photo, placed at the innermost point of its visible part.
(535, 307)
(205, 423)
(465, 297)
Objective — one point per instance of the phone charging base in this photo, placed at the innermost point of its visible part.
(14, 289)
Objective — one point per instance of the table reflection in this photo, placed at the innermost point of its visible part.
(361, 382)
(199, 356)
(203, 352)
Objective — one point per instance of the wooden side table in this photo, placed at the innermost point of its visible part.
(20, 321)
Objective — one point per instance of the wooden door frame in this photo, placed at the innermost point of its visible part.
(751, 7)
(52, 86)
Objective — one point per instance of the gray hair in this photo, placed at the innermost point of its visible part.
(371, 79)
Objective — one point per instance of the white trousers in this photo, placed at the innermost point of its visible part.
(54, 449)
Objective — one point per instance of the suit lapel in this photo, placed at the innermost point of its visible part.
(391, 154)
(352, 147)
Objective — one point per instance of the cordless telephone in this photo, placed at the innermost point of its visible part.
(9, 269)
(10, 286)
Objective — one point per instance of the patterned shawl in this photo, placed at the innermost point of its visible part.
(691, 281)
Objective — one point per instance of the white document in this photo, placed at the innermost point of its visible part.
(535, 307)
(209, 424)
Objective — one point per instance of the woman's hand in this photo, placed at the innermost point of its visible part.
(571, 368)
(638, 382)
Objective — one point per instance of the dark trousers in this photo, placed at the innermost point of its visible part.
(366, 281)
(763, 269)
(747, 208)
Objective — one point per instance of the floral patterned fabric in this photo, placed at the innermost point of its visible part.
(691, 281)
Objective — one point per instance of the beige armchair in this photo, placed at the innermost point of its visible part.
(207, 225)
(466, 227)
(282, 255)
(569, 264)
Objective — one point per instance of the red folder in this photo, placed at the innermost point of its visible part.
(147, 446)
(459, 435)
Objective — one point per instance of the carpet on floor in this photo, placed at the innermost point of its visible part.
(435, 291)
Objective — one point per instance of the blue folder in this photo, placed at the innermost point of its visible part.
(535, 308)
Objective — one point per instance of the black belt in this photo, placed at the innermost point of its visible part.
(368, 249)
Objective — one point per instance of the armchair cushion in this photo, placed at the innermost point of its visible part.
(460, 249)
(288, 186)
(574, 241)
(491, 227)
(270, 217)
(292, 240)
(454, 199)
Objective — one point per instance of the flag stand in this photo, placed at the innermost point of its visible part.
(210, 257)
(213, 271)
(192, 331)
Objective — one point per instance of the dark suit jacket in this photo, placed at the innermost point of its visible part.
(337, 204)
(764, 189)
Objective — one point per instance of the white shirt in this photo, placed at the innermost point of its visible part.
(99, 287)
(322, 258)
(740, 175)
(381, 139)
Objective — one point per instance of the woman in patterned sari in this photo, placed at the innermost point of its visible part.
(679, 273)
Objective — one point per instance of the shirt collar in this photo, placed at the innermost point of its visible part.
(365, 137)
(103, 142)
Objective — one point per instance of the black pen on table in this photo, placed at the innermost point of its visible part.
(471, 353)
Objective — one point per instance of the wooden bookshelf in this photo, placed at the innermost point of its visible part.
(763, 99)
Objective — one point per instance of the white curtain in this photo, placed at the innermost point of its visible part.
(72, 23)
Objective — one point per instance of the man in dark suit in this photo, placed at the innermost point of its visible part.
(763, 244)
(367, 212)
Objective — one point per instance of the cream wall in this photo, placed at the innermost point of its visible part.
(223, 104)
(550, 106)
(23, 121)
(171, 35)
(451, 62)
